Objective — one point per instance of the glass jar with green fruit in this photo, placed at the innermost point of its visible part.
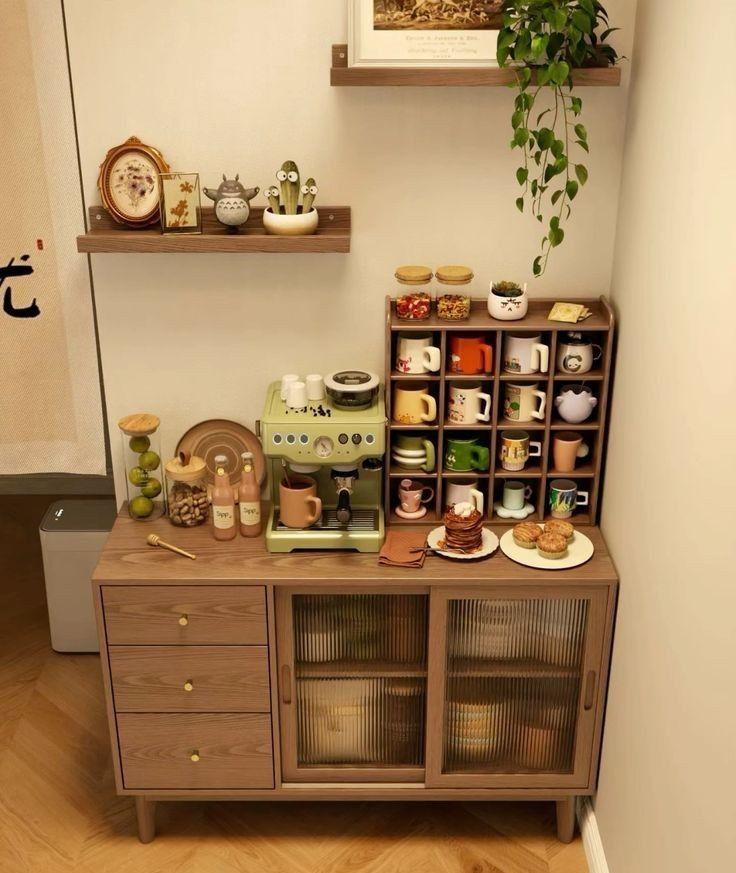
(142, 460)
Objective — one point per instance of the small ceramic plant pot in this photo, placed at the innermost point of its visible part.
(504, 308)
(290, 225)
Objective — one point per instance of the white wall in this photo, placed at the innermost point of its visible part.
(241, 85)
(668, 767)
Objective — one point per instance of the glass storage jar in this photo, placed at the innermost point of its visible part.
(142, 460)
(414, 292)
(186, 490)
(453, 292)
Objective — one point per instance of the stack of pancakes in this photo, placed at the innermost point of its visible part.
(463, 528)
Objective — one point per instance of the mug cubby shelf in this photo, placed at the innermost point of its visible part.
(106, 236)
(539, 472)
(341, 74)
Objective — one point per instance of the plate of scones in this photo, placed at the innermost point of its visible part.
(554, 545)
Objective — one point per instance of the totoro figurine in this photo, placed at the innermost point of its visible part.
(232, 202)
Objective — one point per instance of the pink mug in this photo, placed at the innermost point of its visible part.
(413, 494)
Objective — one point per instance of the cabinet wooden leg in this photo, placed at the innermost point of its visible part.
(145, 811)
(566, 819)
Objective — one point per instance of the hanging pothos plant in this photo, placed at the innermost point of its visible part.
(550, 38)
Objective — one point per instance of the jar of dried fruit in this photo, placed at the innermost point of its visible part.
(453, 292)
(414, 292)
(186, 490)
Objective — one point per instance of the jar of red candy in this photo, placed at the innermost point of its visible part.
(414, 297)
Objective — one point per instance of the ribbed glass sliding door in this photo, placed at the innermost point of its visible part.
(514, 672)
(359, 679)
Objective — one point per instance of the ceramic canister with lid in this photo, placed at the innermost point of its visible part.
(142, 465)
(186, 490)
(414, 292)
(453, 292)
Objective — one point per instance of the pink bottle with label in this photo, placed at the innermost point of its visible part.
(223, 503)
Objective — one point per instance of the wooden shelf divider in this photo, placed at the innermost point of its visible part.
(106, 236)
(343, 75)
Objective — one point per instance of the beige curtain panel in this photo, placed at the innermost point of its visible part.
(50, 403)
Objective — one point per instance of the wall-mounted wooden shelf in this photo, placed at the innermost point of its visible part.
(343, 75)
(106, 236)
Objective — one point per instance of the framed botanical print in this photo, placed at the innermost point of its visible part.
(180, 203)
(129, 182)
(420, 33)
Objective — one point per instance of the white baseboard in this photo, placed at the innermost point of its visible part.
(592, 844)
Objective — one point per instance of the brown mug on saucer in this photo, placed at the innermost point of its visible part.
(299, 506)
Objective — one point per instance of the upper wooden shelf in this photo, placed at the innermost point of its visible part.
(342, 74)
(105, 235)
(536, 319)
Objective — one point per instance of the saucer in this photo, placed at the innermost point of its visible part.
(502, 512)
(410, 463)
(409, 453)
(411, 516)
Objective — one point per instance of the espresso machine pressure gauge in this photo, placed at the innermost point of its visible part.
(323, 447)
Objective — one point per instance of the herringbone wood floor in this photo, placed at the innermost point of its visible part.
(59, 812)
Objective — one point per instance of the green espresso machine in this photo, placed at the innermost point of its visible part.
(342, 450)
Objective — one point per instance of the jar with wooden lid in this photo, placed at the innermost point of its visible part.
(414, 292)
(453, 292)
(186, 490)
(142, 465)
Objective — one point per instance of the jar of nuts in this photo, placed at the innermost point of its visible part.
(453, 300)
(186, 489)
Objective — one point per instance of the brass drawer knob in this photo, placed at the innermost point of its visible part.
(189, 685)
(184, 620)
(194, 756)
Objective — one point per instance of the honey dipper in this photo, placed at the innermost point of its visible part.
(155, 540)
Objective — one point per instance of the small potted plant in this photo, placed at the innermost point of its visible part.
(284, 216)
(508, 301)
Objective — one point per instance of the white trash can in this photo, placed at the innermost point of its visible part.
(73, 533)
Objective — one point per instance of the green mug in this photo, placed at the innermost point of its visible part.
(462, 456)
(414, 452)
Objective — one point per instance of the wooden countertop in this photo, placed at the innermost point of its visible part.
(127, 559)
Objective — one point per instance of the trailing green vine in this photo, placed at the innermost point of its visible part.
(544, 41)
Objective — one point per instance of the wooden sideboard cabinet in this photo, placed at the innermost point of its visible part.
(322, 676)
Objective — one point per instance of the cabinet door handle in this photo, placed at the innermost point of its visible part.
(194, 757)
(189, 685)
(184, 620)
(589, 690)
(286, 683)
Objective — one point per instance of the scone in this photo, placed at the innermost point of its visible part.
(561, 527)
(552, 545)
(526, 534)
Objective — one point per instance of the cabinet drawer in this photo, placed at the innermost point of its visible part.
(190, 678)
(229, 751)
(185, 615)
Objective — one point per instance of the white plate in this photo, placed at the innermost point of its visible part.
(490, 544)
(409, 453)
(579, 551)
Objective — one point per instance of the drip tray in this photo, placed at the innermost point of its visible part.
(362, 520)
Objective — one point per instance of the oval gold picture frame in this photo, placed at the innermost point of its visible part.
(128, 184)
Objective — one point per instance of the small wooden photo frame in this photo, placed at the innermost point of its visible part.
(181, 207)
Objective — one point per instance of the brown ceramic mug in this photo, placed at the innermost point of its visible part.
(299, 506)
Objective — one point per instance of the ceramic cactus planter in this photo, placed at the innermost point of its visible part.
(300, 224)
(507, 301)
(284, 216)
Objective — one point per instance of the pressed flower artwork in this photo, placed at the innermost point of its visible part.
(134, 184)
(180, 203)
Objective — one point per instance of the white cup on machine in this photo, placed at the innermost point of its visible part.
(285, 382)
(296, 397)
(315, 387)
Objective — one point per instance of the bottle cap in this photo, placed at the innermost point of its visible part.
(247, 456)
(221, 460)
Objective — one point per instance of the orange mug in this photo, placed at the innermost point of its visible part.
(470, 354)
(299, 506)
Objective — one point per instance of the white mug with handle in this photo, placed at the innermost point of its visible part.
(416, 354)
(525, 354)
(468, 404)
